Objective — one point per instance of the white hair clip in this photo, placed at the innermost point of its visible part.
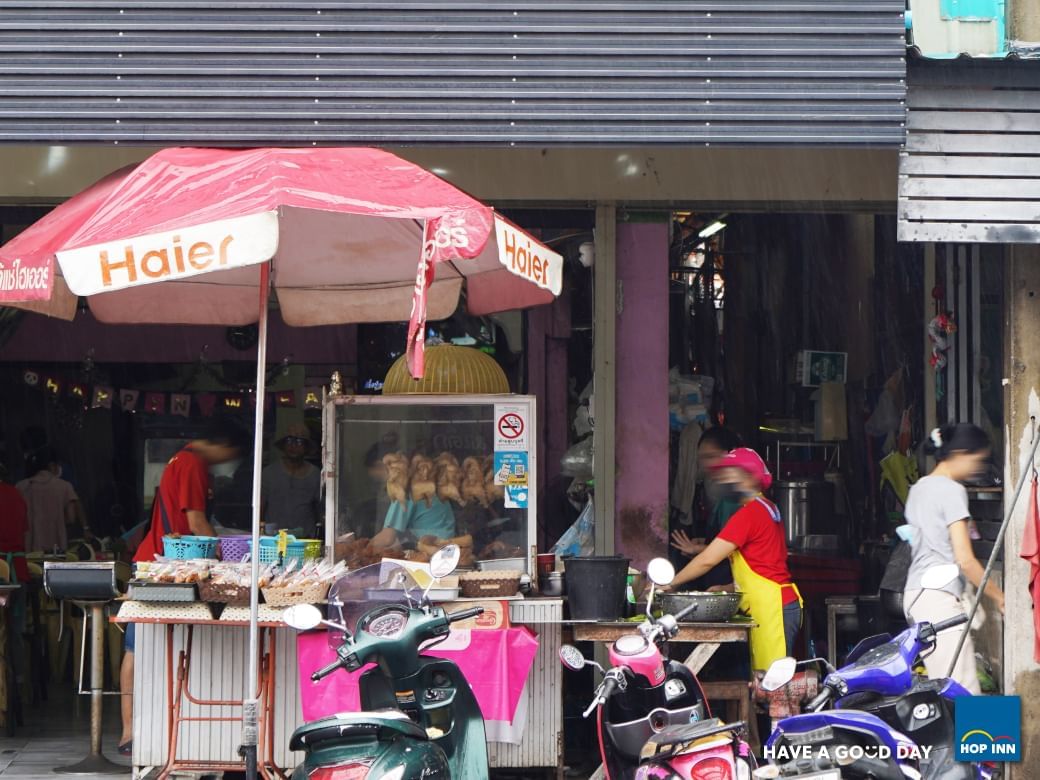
(936, 438)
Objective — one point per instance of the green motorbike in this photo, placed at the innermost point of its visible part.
(419, 719)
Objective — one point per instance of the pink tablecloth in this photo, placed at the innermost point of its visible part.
(496, 663)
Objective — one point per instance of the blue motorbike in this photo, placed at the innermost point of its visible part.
(887, 723)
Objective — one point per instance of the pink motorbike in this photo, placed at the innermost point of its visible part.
(652, 719)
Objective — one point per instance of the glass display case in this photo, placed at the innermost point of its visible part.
(406, 474)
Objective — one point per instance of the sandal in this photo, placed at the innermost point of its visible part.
(127, 748)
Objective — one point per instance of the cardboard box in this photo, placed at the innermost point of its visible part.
(496, 614)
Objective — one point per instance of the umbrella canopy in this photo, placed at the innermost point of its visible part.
(356, 235)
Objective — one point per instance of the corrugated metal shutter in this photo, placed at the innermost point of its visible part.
(971, 168)
(761, 72)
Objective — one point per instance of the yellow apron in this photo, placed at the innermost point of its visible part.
(763, 600)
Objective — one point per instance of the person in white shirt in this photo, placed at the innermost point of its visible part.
(937, 510)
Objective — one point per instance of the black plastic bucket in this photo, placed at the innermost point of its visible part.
(596, 587)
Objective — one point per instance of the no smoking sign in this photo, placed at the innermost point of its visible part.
(510, 428)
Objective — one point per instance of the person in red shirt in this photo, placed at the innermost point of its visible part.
(14, 525)
(179, 508)
(755, 542)
(14, 530)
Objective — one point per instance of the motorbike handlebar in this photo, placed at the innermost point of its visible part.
(603, 692)
(949, 623)
(465, 614)
(821, 699)
(325, 671)
(686, 611)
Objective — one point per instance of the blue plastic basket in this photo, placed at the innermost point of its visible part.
(188, 547)
(269, 548)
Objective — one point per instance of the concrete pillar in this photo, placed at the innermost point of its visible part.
(604, 360)
(1022, 412)
(1024, 20)
(642, 389)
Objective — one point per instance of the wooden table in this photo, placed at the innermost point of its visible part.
(708, 637)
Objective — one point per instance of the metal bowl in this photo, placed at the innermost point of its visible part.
(710, 607)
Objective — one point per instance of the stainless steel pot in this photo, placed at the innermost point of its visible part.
(552, 584)
(807, 507)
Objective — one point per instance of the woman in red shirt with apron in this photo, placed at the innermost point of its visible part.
(755, 542)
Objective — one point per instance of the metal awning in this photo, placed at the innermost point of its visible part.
(970, 171)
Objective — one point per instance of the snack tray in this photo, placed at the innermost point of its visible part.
(161, 591)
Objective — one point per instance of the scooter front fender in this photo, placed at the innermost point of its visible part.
(420, 758)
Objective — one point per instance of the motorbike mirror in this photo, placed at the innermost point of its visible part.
(445, 561)
(779, 674)
(938, 577)
(302, 617)
(572, 658)
(660, 571)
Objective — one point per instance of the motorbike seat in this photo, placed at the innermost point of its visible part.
(380, 724)
(676, 738)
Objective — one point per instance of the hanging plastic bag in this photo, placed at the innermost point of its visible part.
(580, 539)
(577, 461)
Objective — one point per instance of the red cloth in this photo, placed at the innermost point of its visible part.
(1031, 553)
(14, 523)
(184, 486)
(758, 532)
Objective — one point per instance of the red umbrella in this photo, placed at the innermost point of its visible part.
(342, 235)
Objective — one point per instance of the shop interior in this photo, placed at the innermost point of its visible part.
(834, 351)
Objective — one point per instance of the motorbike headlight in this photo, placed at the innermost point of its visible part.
(767, 772)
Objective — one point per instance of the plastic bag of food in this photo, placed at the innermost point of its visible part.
(580, 539)
(577, 461)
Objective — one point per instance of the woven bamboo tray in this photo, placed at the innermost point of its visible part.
(287, 597)
(224, 593)
(489, 584)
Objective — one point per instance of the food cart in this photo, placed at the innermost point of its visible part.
(191, 658)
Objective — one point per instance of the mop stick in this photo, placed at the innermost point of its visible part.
(997, 545)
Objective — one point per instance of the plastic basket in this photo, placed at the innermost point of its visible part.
(268, 549)
(303, 550)
(235, 548)
(288, 597)
(183, 548)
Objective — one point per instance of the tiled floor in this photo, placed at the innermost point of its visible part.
(58, 734)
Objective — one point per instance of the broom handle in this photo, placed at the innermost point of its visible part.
(997, 545)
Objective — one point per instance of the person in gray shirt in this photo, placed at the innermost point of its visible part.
(937, 510)
(291, 487)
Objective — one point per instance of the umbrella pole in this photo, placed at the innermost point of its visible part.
(251, 705)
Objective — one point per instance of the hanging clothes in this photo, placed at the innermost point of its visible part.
(1031, 553)
(899, 472)
(686, 476)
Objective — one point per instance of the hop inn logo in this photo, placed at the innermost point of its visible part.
(988, 728)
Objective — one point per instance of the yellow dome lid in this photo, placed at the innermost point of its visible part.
(449, 370)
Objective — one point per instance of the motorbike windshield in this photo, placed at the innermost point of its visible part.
(363, 590)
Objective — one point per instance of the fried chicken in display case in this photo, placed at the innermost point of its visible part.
(407, 475)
